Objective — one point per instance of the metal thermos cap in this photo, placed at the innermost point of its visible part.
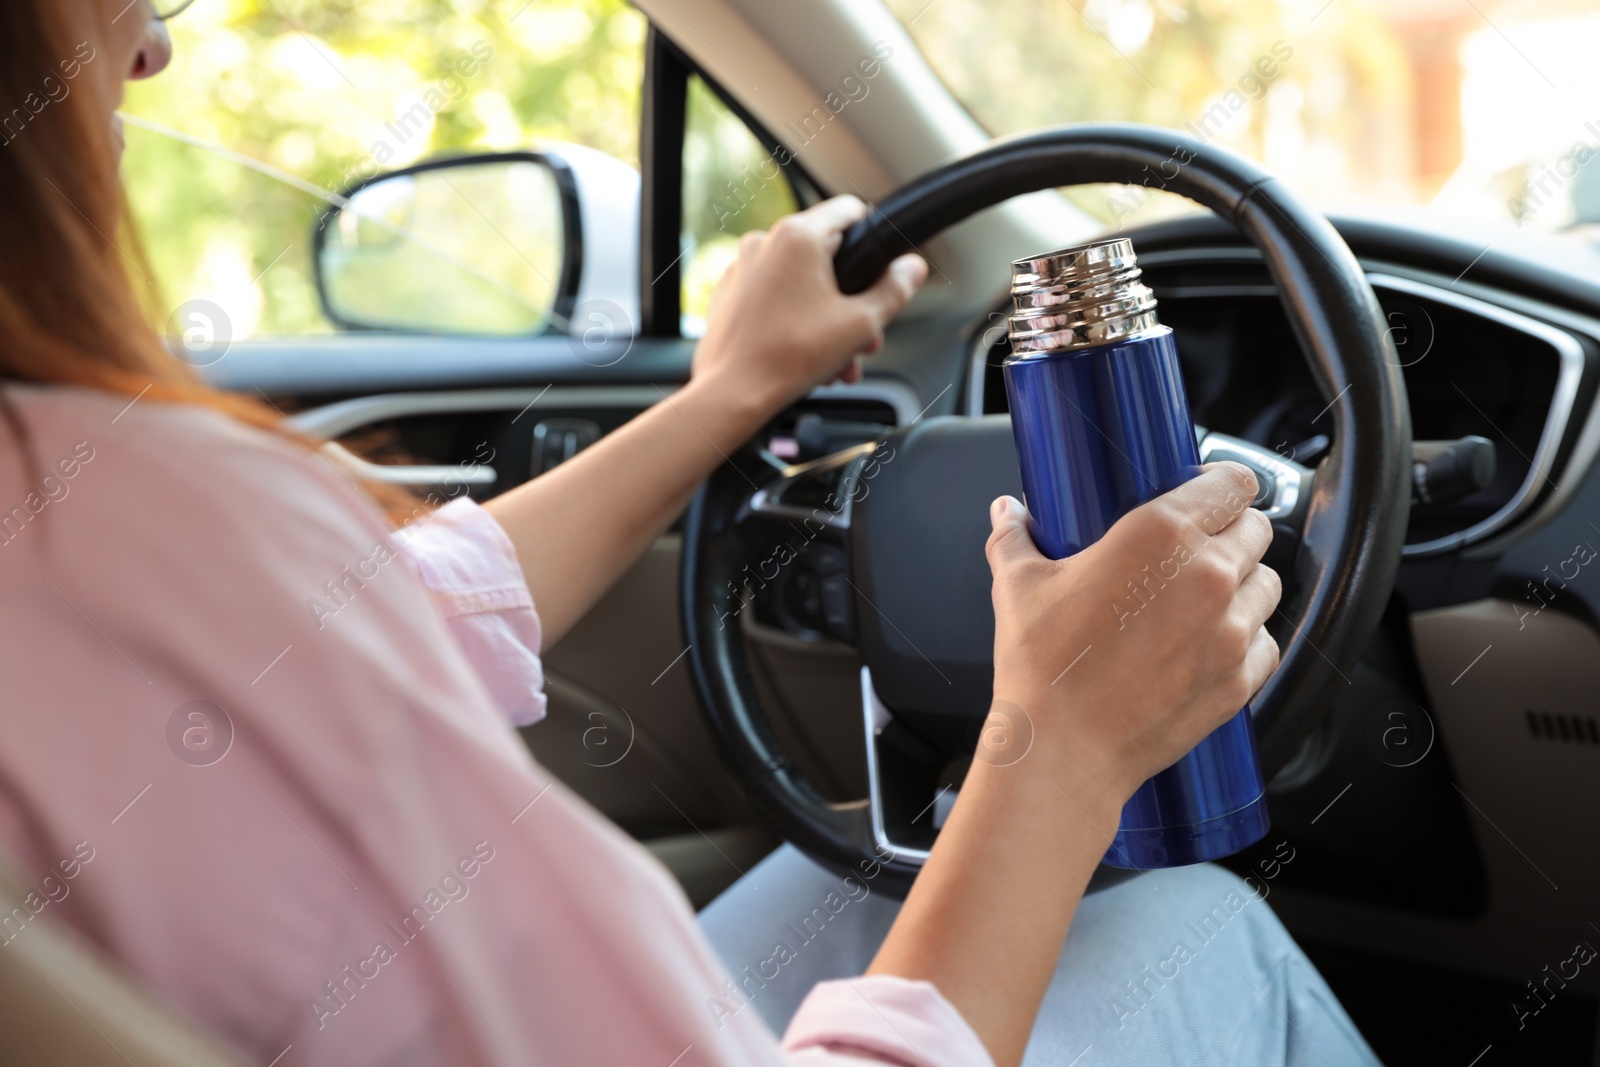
(1079, 297)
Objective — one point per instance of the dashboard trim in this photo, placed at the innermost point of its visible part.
(1542, 463)
(417, 475)
(875, 717)
(341, 417)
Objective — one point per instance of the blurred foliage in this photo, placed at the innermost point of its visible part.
(730, 185)
(1328, 117)
(319, 89)
(322, 90)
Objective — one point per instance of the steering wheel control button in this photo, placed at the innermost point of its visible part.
(1266, 484)
(1283, 485)
(826, 566)
(1267, 489)
(816, 596)
(825, 559)
(836, 606)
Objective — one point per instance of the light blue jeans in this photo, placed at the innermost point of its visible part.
(1180, 966)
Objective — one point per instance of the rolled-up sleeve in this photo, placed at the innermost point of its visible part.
(471, 571)
(882, 1019)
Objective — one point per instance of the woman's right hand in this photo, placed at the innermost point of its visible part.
(1115, 687)
(1126, 655)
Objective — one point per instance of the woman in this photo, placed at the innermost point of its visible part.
(358, 863)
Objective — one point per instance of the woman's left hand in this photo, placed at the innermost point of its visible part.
(779, 325)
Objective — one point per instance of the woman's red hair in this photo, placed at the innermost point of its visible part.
(70, 310)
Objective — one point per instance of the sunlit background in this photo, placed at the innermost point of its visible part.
(316, 89)
(1485, 110)
(1452, 104)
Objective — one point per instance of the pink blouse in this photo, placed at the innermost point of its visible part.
(255, 746)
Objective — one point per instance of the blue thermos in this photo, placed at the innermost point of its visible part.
(1102, 425)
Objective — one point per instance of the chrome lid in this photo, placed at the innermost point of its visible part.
(1086, 295)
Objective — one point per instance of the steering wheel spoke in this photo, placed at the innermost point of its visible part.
(796, 529)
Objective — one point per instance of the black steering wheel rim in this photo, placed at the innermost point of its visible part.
(1354, 521)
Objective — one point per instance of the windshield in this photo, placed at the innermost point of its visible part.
(1482, 109)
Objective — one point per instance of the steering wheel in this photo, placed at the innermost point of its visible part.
(885, 539)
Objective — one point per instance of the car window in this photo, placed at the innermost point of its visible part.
(268, 108)
(731, 185)
(1471, 110)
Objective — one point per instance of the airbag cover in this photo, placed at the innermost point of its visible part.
(922, 583)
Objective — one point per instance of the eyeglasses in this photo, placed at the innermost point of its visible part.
(166, 9)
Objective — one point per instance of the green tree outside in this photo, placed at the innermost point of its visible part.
(321, 89)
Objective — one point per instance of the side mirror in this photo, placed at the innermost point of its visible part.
(484, 245)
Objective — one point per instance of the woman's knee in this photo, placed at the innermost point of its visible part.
(1165, 928)
(1192, 958)
(1201, 901)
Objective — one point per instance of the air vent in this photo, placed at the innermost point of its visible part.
(1574, 729)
